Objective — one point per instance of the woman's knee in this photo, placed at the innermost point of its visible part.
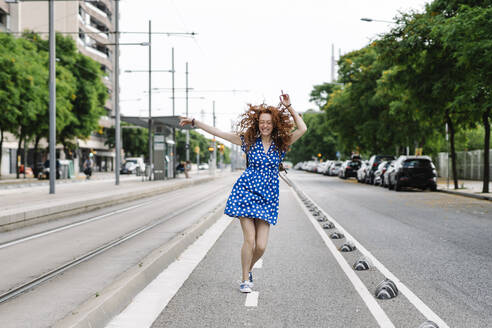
(261, 247)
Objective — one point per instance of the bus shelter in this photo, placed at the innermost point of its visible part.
(164, 160)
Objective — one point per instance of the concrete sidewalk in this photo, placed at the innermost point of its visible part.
(26, 206)
(467, 188)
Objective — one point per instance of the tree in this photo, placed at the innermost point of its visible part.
(9, 93)
(467, 34)
(135, 140)
(427, 71)
(84, 93)
(65, 92)
(316, 140)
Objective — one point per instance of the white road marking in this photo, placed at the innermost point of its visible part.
(252, 299)
(371, 303)
(258, 264)
(45, 233)
(412, 298)
(152, 300)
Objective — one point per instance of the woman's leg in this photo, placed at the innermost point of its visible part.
(262, 230)
(249, 232)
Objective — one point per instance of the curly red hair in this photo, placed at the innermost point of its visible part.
(282, 125)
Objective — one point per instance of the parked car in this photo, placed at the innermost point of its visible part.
(133, 165)
(362, 171)
(374, 162)
(323, 167)
(413, 171)
(389, 170)
(349, 169)
(334, 168)
(328, 165)
(203, 166)
(379, 174)
(298, 166)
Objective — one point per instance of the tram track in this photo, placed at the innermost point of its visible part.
(33, 283)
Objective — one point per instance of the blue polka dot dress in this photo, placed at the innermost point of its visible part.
(255, 193)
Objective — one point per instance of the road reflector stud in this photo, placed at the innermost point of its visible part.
(328, 225)
(322, 219)
(386, 290)
(361, 264)
(337, 235)
(429, 324)
(347, 247)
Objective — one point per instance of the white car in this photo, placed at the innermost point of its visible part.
(134, 165)
(203, 166)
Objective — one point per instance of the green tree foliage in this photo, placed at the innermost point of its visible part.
(9, 91)
(317, 140)
(81, 90)
(24, 90)
(467, 34)
(196, 139)
(134, 140)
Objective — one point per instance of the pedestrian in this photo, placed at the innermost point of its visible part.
(88, 165)
(264, 134)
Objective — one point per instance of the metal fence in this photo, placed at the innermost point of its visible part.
(469, 164)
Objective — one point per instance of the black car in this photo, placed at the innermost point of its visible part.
(349, 169)
(413, 171)
(374, 162)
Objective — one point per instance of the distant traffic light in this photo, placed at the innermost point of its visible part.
(319, 154)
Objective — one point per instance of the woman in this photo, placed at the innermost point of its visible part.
(265, 133)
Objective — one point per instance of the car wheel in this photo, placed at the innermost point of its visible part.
(433, 187)
(397, 186)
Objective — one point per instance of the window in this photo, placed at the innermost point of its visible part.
(417, 164)
(4, 19)
(81, 35)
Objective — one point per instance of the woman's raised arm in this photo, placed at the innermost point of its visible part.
(301, 126)
(229, 136)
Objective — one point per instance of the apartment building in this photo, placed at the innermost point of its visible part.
(90, 24)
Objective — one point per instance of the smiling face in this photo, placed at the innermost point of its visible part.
(265, 124)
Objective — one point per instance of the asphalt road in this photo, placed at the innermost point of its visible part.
(437, 245)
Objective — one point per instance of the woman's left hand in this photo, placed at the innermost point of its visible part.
(285, 99)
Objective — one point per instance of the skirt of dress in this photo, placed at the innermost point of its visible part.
(254, 195)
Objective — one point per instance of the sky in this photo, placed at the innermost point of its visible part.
(244, 51)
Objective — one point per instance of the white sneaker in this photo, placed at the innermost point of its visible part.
(244, 287)
(250, 277)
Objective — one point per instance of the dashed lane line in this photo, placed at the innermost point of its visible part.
(258, 264)
(412, 298)
(252, 299)
(381, 317)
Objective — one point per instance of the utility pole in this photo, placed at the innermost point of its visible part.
(52, 107)
(151, 159)
(117, 135)
(174, 129)
(187, 131)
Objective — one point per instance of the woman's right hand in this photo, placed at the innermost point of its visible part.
(185, 121)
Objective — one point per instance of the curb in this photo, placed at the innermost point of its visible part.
(464, 194)
(99, 311)
(23, 219)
